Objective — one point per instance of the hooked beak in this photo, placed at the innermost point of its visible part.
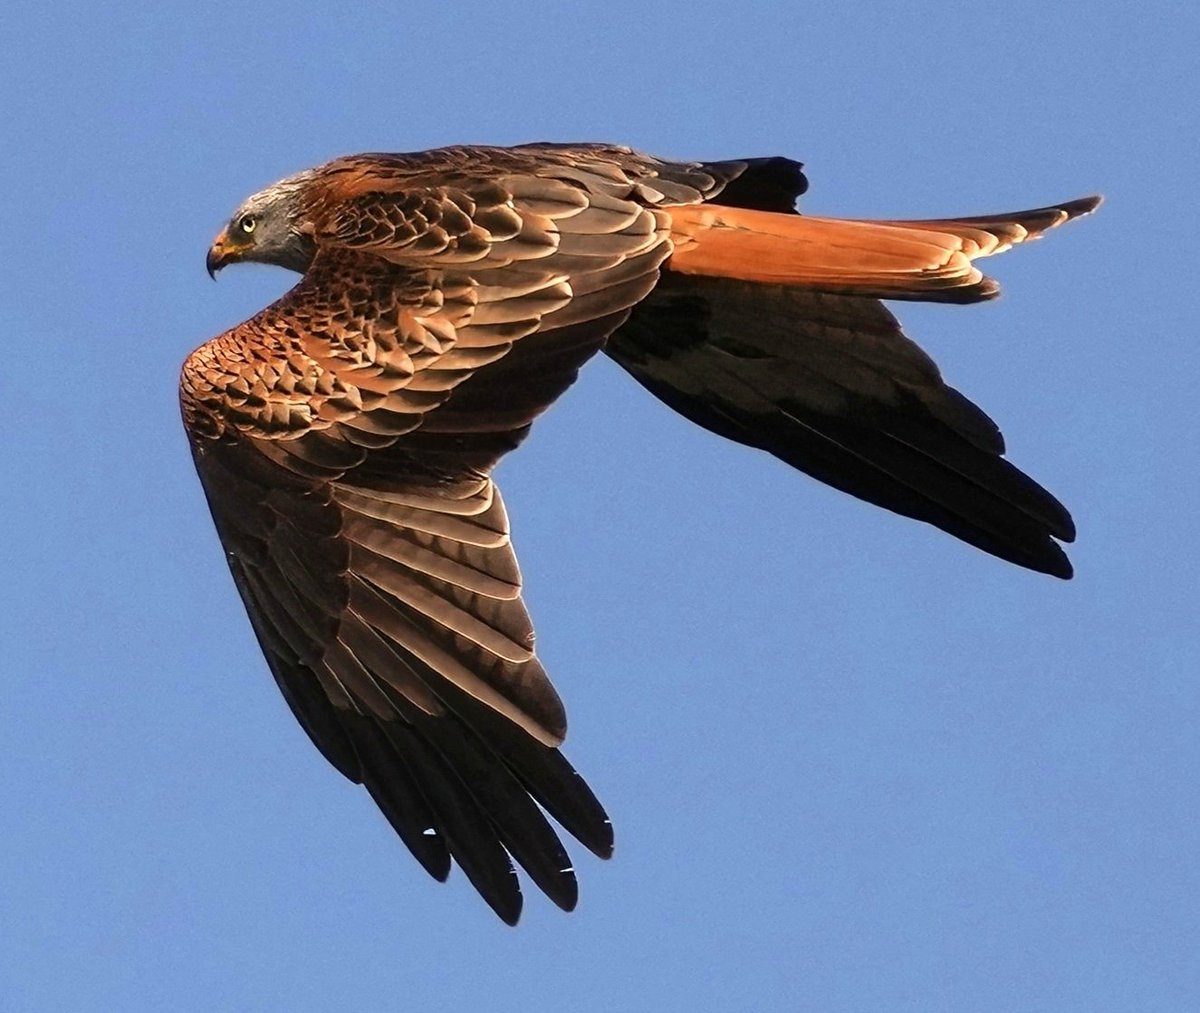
(221, 252)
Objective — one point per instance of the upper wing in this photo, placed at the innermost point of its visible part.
(394, 628)
(830, 384)
(344, 438)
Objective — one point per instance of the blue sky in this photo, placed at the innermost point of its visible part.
(853, 764)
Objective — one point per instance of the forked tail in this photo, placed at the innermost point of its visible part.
(928, 260)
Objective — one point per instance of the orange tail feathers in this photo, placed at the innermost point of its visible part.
(928, 260)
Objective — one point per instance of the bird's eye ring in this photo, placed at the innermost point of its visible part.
(247, 223)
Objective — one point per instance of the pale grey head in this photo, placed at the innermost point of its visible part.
(268, 228)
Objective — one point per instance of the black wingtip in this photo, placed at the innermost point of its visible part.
(567, 895)
(602, 844)
(1063, 570)
(1048, 558)
(507, 908)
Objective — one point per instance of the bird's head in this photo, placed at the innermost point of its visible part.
(267, 228)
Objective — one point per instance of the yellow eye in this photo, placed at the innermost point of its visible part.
(247, 223)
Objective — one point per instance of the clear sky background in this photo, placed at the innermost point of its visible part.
(853, 764)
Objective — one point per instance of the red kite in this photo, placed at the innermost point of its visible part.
(346, 435)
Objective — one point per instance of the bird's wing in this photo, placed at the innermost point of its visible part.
(831, 385)
(344, 437)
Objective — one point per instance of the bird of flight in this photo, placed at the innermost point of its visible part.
(345, 435)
